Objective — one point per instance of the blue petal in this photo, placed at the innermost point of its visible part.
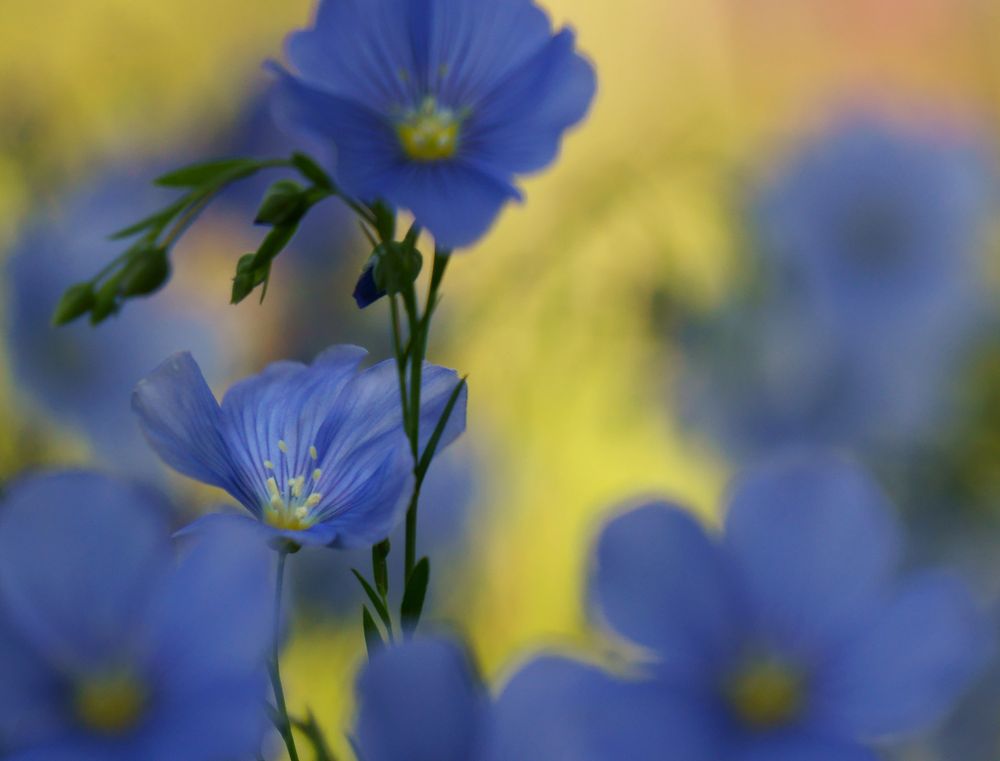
(519, 126)
(800, 747)
(661, 582)
(456, 201)
(474, 46)
(816, 546)
(359, 50)
(182, 422)
(367, 292)
(287, 402)
(31, 701)
(419, 701)
(79, 554)
(367, 148)
(212, 618)
(910, 666)
(560, 710)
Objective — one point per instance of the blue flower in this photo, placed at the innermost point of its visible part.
(316, 453)
(436, 105)
(789, 636)
(111, 649)
(78, 376)
(423, 701)
(867, 295)
(879, 227)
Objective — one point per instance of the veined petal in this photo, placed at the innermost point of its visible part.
(182, 422)
(908, 668)
(520, 124)
(816, 546)
(367, 149)
(419, 701)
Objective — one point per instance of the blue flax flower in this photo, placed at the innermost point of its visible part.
(788, 637)
(316, 453)
(113, 650)
(79, 376)
(879, 227)
(423, 701)
(435, 105)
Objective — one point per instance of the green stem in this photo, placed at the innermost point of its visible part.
(279, 692)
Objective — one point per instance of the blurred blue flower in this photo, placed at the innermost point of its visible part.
(435, 105)
(788, 637)
(879, 228)
(82, 377)
(111, 649)
(867, 293)
(423, 701)
(316, 453)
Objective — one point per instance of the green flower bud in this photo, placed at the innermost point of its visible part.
(145, 273)
(76, 302)
(285, 202)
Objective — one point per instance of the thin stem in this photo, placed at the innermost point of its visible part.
(279, 692)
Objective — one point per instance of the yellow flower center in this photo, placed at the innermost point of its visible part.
(110, 704)
(765, 694)
(292, 508)
(429, 133)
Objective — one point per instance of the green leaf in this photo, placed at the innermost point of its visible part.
(248, 277)
(373, 638)
(284, 203)
(416, 592)
(380, 555)
(442, 423)
(312, 171)
(75, 302)
(311, 729)
(205, 173)
(377, 602)
(154, 222)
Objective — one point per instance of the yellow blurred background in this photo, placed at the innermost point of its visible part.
(557, 316)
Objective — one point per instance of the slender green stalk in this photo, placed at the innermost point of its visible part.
(279, 692)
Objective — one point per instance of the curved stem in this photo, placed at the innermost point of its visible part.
(279, 692)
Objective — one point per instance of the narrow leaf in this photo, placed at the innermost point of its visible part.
(373, 638)
(416, 592)
(435, 439)
(154, 222)
(208, 173)
(312, 171)
(377, 602)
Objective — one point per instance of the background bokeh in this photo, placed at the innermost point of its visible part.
(581, 320)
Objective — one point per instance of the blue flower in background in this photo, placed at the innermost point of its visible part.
(879, 227)
(436, 105)
(424, 701)
(316, 453)
(79, 376)
(111, 649)
(788, 637)
(868, 294)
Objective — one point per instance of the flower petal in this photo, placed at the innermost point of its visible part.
(287, 402)
(367, 148)
(661, 582)
(30, 707)
(557, 709)
(419, 701)
(911, 666)
(816, 546)
(79, 553)
(801, 747)
(455, 200)
(519, 126)
(182, 422)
